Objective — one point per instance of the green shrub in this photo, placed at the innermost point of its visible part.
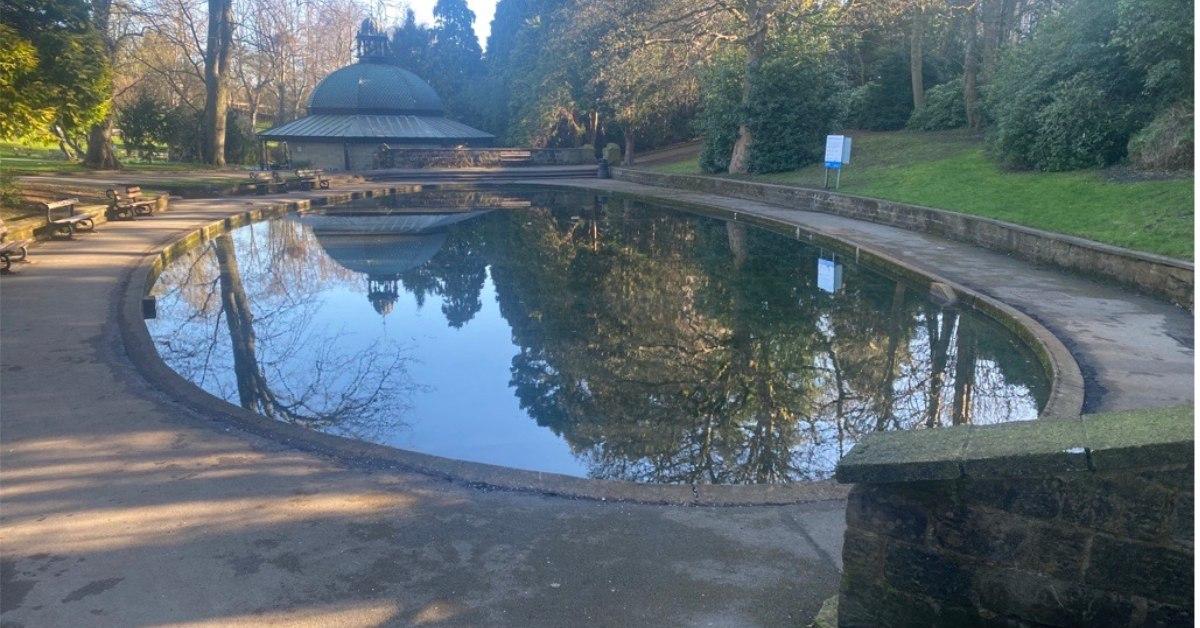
(885, 102)
(1157, 38)
(612, 153)
(944, 108)
(1066, 98)
(720, 111)
(1077, 129)
(240, 143)
(1166, 143)
(143, 123)
(793, 103)
(10, 194)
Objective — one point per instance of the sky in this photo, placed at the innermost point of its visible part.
(484, 9)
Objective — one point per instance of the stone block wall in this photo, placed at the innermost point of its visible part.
(1101, 535)
(1164, 277)
(407, 157)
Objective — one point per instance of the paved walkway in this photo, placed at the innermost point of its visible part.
(121, 508)
(1134, 351)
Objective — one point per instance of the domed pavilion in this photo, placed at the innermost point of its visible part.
(355, 109)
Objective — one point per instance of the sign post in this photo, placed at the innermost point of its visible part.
(837, 154)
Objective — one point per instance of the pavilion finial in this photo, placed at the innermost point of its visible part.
(372, 43)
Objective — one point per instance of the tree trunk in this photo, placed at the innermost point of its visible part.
(887, 414)
(69, 149)
(216, 62)
(100, 155)
(964, 372)
(240, 321)
(939, 347)
(629, 146)
(735, 232)
(281, 104)
(971, 68)
(916, 58)
(755, 47)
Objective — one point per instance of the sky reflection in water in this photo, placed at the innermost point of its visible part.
(557, 331)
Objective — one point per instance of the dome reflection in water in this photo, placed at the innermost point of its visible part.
(558, 331)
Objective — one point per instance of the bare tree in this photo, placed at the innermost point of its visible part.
(218, 46)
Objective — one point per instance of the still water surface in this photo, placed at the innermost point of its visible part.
(564, 332)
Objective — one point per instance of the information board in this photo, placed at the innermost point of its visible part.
(837, 151)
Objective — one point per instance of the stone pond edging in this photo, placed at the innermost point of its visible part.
(1083, 522)
(1064, 403)
(1161, 276)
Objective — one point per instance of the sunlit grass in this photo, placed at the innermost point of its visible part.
(950, 171)
(26, 158)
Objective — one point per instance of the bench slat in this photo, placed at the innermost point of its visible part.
(70, 219)
(60, 204)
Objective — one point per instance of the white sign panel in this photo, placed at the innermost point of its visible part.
(833, 149)
(829, 275)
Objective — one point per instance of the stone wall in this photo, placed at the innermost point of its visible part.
(1088, 527)
(406, 157)
(1164, 277)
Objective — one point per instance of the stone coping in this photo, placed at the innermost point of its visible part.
(1164, 277)
(1094, 442)
(1064, 402)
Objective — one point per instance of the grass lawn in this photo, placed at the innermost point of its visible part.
(22, 159)
(949, 170)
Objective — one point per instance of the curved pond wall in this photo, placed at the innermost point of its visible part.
(1065, 399)
(1164, 277)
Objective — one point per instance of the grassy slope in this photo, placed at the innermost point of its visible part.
(949, 170)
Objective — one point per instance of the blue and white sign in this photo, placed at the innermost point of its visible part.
(837, 151)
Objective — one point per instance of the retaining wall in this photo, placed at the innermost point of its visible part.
(393, 157)
(1157, 275)
(1047, 523)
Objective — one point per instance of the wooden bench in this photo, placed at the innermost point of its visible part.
(311, 179)
(262, 180)
(63, 219)
(515, 156)
(11, 250)
(130, 204)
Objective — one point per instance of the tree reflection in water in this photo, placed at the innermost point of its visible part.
(252, 333)
(660, 346)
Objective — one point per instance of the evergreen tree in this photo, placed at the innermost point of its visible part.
(456, 62)
(56, 75)
(411, 44)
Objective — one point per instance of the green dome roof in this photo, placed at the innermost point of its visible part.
(374, 88)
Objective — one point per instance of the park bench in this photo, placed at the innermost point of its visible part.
(262, 180)
(11, 250)
(311, 179)
(129, 204)
(64, 221)
(511, 157)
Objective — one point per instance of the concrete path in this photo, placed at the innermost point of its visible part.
(118, 507)
(1134, 351)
